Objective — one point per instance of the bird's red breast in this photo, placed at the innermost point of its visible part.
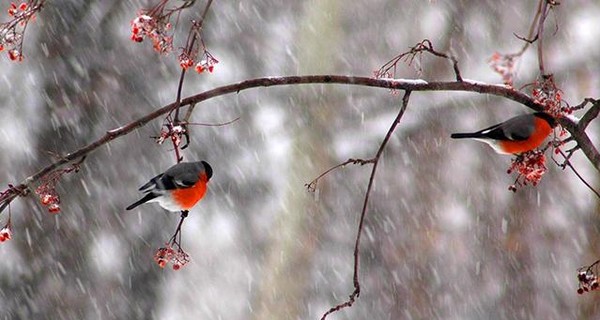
(188, 197)
(541, 132)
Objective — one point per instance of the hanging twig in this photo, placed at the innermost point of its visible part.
(355, 294)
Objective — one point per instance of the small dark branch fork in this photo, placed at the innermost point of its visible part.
(567, 163)
(176, 238)
(312, 186)
(591, 114)
(388, 70)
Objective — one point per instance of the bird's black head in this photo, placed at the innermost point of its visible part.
(550, 119)
(208, 169)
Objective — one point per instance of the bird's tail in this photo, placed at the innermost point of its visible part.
(465, 135)
(145, 199)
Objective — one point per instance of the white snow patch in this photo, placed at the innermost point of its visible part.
(406, 81)
(573, 118)
(470, 81)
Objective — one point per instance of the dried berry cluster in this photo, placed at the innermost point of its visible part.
(504, 65)
(191, 54)
(530, 167)
(546, 93)
(207, 62)
(156, 29)
(168, 254)
(588, 279)
(47, 189)
(173, 132)
(13, 31)
(155, 24)
(47, 193)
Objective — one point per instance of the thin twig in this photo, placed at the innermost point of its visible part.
(409, 56)
(591, 114)
(194, 33)
(567, 163)
(212, 124)
(540, 34)
(179, 89)
(176, 238)
(530, 37)
(355, 294)
(205, 11)
(312, 186)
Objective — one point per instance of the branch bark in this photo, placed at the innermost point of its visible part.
(578, 132)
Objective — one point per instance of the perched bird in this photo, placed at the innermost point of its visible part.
(516, 135)
(179, 188)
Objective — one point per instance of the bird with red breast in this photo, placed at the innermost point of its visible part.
(179, 188)
(516, 135)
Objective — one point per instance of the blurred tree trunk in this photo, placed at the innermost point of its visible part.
(283, 292)
(60, 279)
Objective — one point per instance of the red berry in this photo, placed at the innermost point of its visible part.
(580, 291)
(176, 267)
(210, 68)
(5, 234)
(46, 199)
(54, 208)
(13, 55)
(23, 6)
(136, 38)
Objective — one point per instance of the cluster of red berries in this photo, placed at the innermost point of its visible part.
(156, 29)
(588, 280)
(504, 65)
(206, 63)
(5, 234)
(49, 197)
(167, 254)
(154, 24)
(11, 33)
(530, 167)
(546, 93)
(15, 11)
(169, 131)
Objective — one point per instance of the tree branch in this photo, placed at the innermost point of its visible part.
(540, 34)
(591, 114)
(395, 84)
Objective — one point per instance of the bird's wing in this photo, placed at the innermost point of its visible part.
(186, 180)
(183, 175)
(150, 184)
(519, 128)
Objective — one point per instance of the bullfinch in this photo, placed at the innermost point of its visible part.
(179, 188)
(516, 135)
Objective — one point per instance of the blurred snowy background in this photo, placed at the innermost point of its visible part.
(444, 238)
